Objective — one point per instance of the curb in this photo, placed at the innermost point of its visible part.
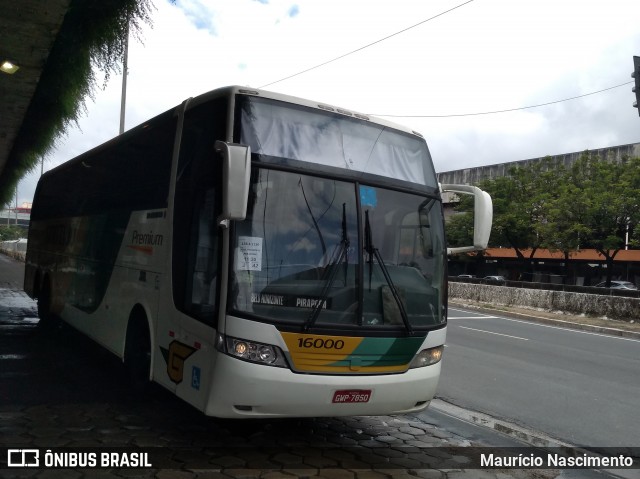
(528, 436)
(561, 323)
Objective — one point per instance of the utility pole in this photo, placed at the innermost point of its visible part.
(123, 100)
(636, 75)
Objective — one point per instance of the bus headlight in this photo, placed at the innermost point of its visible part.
(251, 351)
(427, 357)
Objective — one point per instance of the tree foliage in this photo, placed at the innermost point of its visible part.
(12, 232)
(594, 203)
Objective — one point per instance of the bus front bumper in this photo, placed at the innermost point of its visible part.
(251, 390)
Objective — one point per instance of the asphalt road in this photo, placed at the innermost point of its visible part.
(582, 388)
(11, 273)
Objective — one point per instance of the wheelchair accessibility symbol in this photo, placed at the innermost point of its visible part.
(195, 378)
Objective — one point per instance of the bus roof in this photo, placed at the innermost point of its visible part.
(227, 92)
(230, 90)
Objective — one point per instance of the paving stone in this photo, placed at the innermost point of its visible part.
(399, 474)
(134, 473)
(405, 462)
(402, 436)
(414, 431)
(287, 459)
(320, 461)
(175, 474)
(336, 474)
(471, 474)
(19, 473)
(305, 473)
(59, 474)
(210, 474)
(427, 474)
(277, 475)
(228, 462)
(441, 434)
(388, 439)
(51, 442)
(243, 473)
(11, 440)
(372, 475)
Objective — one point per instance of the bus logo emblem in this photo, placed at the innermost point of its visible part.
(175, 357)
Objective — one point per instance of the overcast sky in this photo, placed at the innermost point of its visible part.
(480, 56)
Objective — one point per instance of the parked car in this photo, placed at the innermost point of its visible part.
(495, 278)
(618, 285)
(466, 276)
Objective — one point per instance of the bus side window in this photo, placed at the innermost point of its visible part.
(205, 262)
(197, 205)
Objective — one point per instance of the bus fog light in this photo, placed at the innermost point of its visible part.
(427, 357)
(253, 352)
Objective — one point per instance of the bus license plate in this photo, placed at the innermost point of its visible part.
(351, 396)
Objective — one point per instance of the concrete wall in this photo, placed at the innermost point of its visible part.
(613, 307)
(472, 176)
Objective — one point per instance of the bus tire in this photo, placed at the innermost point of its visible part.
(137, 353)
(47, 318)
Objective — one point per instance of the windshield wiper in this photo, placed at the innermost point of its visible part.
(373, 251)
(338, 256)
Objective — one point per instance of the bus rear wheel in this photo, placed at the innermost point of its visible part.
(137, 354)
(47, 318)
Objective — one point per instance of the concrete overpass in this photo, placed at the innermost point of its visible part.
(47, 51)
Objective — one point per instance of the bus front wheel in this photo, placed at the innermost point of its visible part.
(137, 354)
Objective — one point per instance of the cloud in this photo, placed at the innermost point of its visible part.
(293, 11)
(199, 13)
(487, 55)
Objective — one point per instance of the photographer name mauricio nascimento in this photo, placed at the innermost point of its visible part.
(556, 460)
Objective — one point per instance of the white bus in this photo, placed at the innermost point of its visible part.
(256, 254)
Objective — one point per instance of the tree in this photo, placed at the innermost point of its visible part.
(12, 232)
(459, 226)
(593, 204)
(521, 205)
(604, 204)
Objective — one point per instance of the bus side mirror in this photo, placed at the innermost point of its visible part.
(482, 216)
(236, 173)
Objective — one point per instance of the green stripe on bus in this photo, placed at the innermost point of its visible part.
(374, 352)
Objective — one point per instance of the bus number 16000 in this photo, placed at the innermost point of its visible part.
(320, 343)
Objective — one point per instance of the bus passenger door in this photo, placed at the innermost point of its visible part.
(188, 312)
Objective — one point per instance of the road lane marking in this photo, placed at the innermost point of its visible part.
(497, 334)
(533, 322)
(474, 317)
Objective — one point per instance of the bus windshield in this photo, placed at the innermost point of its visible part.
(325, 253)
(294, 132)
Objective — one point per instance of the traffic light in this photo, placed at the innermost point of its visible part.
(636, 76)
